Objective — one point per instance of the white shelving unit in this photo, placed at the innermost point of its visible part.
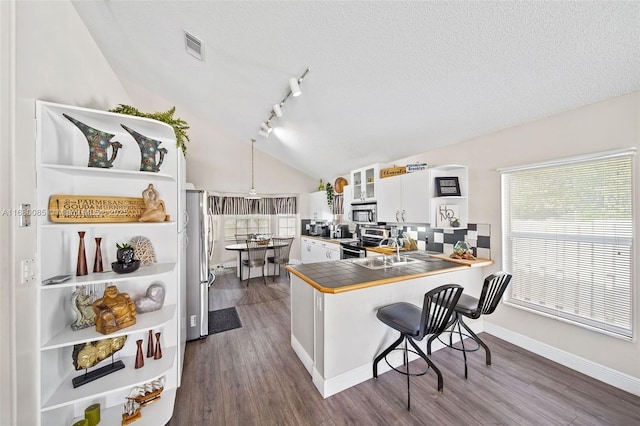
(440, 205)
(62, 154)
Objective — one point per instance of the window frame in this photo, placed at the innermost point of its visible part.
(508, 259)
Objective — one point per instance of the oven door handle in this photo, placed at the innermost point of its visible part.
(352, 251)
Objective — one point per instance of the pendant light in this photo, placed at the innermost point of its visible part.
(253, 195)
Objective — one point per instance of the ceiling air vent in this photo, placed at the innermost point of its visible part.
(193, 45)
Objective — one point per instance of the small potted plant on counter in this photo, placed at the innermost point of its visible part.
(454, 222)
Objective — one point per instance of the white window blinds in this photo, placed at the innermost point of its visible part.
(567, 239)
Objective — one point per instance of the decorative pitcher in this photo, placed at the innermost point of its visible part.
(99, 143)
(148, 149)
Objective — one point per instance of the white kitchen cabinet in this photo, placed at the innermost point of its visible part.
(314, 251)
(364, 181)
(443, 208)
(62, 152)
(318, 207)
(404, 198)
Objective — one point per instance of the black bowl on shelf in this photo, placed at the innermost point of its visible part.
(125, 268)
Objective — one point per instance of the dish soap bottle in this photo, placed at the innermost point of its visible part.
(321, 187)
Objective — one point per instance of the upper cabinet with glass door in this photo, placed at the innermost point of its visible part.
(364, 183)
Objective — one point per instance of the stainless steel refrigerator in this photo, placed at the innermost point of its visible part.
(200, 246)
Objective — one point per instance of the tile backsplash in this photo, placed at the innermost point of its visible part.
(478, 236)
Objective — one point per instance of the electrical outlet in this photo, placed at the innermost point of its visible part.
(192, 320)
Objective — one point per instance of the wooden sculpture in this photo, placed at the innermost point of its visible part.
(114, 311)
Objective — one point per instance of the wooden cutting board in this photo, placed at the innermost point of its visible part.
(384, 250)
(477, 262)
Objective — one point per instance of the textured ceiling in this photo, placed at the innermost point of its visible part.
(387, 80)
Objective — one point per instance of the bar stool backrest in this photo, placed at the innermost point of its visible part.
(437, 309)
(492, 290)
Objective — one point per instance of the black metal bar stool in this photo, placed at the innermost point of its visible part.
(414, 324)
(468, 306)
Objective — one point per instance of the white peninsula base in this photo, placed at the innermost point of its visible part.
(337, 336)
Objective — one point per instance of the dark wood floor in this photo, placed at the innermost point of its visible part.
(251, 376)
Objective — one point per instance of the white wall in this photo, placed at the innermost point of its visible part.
(217, 163)
(56, 60)
(611, 124)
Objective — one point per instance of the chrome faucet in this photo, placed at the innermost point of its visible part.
(396, 241)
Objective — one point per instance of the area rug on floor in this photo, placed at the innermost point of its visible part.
(223, 320)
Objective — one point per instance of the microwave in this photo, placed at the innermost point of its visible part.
(364, 213)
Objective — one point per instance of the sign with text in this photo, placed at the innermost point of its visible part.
(445, 213)
(94, 209)
(401, 170)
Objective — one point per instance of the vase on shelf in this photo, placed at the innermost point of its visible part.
(99, 143)
(81, 267)
(97, 261)
(150, 348)
(149, 149)
(139, 355)
(158, 353)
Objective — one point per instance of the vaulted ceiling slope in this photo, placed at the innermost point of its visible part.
(387, 80)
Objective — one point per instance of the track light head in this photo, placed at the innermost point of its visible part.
(277, 110)
(264, 134)
(295, 88)
(266, 127)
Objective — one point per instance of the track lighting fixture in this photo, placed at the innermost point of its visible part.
(295, 87)
(276, 111)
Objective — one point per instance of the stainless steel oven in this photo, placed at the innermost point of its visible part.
(364, 213)
(354, 249)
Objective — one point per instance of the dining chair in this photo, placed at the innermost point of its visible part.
(415, 323)
(281, 250)
(493, 288)
(256, 257)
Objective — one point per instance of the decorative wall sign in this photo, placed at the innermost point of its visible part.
(397, 171)
(447, 186)
(392, 171)
(444, 215)
(64, 208)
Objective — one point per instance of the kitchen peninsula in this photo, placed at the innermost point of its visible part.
(334, 329)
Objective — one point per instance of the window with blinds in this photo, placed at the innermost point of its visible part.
(568, 239)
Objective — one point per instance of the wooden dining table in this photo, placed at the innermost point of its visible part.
(242, 248)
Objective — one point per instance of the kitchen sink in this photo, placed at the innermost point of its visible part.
(385, 261)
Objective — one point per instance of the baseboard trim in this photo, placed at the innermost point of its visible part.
(302, 355)
(600, 372)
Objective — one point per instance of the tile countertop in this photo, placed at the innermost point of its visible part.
(343, 275)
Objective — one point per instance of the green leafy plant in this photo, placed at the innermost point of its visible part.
(180, 126)
(124, 246)
(329, 189)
